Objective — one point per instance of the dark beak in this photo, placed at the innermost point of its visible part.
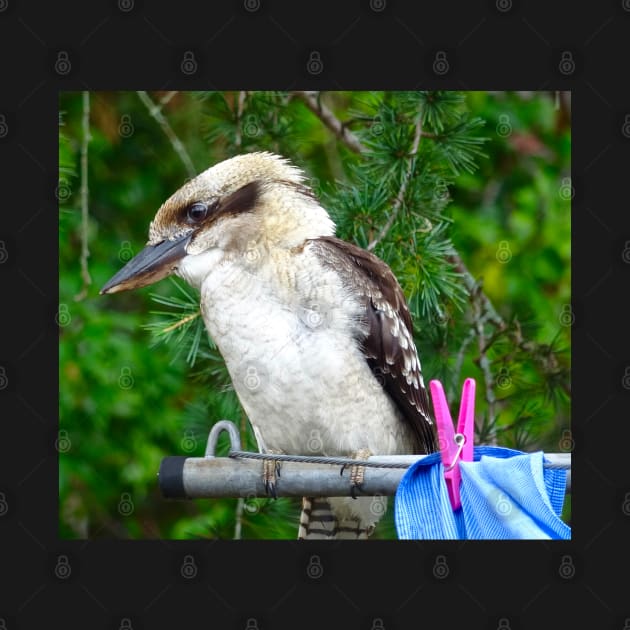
(153, 263)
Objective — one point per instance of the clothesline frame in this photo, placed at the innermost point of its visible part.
(239, 475)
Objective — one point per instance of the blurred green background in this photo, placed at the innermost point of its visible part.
(128, 398)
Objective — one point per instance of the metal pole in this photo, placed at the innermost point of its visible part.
(214, 477)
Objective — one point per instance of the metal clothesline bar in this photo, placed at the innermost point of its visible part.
(240, 474)
(215, 477)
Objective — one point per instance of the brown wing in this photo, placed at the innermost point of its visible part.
(389, 347)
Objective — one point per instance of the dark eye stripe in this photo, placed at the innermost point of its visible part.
(241, 200)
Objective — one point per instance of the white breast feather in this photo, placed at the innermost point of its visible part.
(287, 333)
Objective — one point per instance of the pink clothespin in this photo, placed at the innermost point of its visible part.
(454, 447)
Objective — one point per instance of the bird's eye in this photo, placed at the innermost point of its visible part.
(197, 212)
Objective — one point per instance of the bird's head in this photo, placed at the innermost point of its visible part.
(255, 200)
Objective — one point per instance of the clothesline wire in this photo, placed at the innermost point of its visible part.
(346, 461)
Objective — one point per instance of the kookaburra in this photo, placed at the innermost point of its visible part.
(315, 332)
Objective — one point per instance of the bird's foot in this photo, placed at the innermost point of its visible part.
(271, 472)
(357, 472)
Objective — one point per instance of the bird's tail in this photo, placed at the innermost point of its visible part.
(319, 520)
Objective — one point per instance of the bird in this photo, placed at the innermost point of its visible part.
(315, 332)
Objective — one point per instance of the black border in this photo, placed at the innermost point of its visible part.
(384, 44)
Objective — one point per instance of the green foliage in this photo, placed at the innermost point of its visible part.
(444, 179)
(181, 325)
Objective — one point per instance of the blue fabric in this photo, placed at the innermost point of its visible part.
(505, 494)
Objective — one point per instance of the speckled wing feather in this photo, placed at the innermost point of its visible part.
(389, 347)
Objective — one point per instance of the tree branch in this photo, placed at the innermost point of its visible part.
(181, 322)
(313, 102)
(459, 359)
(400, 197)
(240, 105)
(240, 504)
(154, 111)
(478, 300)
(167, 98)
(85, 253)
(472, 286)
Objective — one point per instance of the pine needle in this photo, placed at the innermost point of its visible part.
(181, 322)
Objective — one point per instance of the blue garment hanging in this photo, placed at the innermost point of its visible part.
(505, 494)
